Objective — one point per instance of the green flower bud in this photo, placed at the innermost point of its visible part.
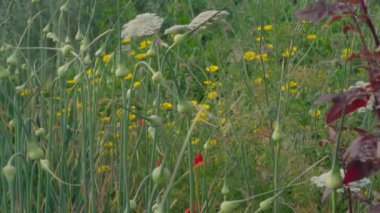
(84, 46)
(9, 172)
(229, 206)
(266, 204)
(12, 123)
(62, 70)
(277, 135)
(225, 189)
(13, 59)
(4, 73)
(121, 71)
(184, 106)
(66, 49)
(45, 165)
(40, 132)
(34, 151)
(87, 59)
(132, 204)
(179, 38)
(160, 175)
(151, 52)
(154, 120)
(158, 78)
(333, 180)
(79, 35)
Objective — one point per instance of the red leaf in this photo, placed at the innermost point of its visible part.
(337, 109)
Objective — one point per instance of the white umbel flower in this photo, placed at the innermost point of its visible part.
(320, 182)
(209, 16)
(143, 25)
(178, 28)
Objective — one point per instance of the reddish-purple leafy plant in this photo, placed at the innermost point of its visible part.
(362, 157)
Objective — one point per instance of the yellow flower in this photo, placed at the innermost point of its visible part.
(315, 113)
(103, 169)
(25, 92)
(195, 141)
(292, 91)
(289, 52)
(292, 84)
(216, 84)
(258, 80)
(106, 58)
(141, 56)
(207, 82)
(346, 52)
(259, 38)
(145, 44)
(108, 144)
(70, 81)
(270, 46)
(213, 141)
(89, 72)
(250, 55)
(311, 37)
(126, 40)
(212, 68)
(131, 117)
(258, 28)
(167, 105)
(205, 106)
(284, 88)
(105, 119)
(128, 77)
(222, 120)
(194, 102)
(212, 95)
(136, 84)
(79, 105)
(132, 53)
(268, 27)
(264, 56)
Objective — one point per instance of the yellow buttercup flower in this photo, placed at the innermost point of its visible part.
(264, 56)
(131, 117)
(105, 119)
(250, 55)
(289, 52)
(106, 58)
(212, 68)
(346, 52)
(212, 95)
(194, 102)
(268, 27)
(128, 77)
(167, 105)
(292, 84)
(195, 141)
(141, 56)
(311, 37)
(259, 38)
(71, 81)
(136, 84)
(207, 82)
(258, 80)
(145, 44)
(315, 113)
(126, 40)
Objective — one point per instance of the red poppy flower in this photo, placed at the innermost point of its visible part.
(198, 160)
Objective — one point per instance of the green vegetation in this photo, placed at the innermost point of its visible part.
(219, 116)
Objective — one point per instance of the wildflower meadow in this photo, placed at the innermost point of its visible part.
(190, 106)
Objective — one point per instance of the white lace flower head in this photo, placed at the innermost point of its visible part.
(209, 16)
(143, 25)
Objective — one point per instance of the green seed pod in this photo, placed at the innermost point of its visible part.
(158, 78)
(13, 59)
(121, 71)
(132, 204)
(40, 132)
(100, 51)
(154, 121)
(66, 49)
(87, 59)
(34, 151)
(225, 189)
(84, 46)
(62, 70)
(179, 38)
(266, 204)
(4, 73)
(160, 175)
(79, 35)
(9, 172)
(333, 180)
(229, 206)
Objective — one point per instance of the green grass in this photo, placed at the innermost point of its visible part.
(98, 128)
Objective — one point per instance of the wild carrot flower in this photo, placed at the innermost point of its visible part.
(311, 37)
(143, 25)
(212, 68)
(210, 16)
(250, 55)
